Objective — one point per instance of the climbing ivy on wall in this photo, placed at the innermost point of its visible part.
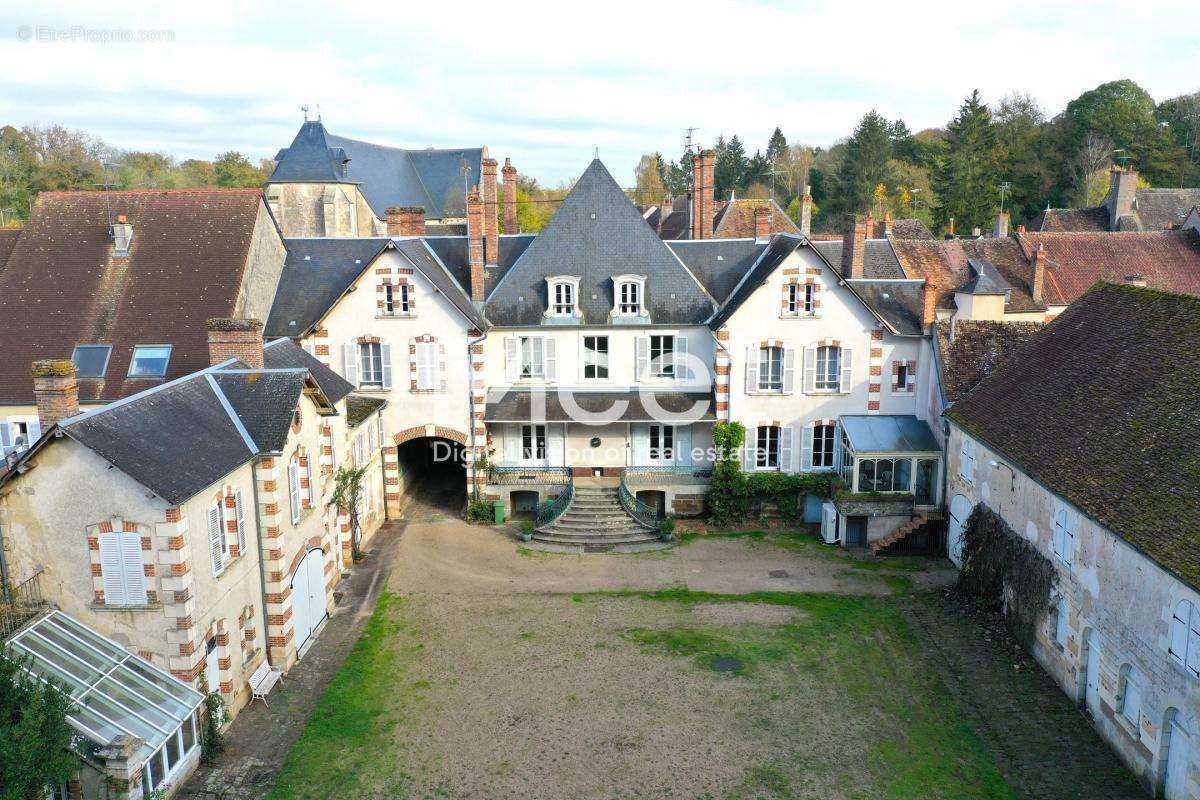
(1003, 571)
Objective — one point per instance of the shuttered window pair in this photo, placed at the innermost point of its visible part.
(662, 357)
(828, 369)
(770, 369)
(367, 365)
(817, 447)
(122, 569)
(530, 358)
(218, 535)
(770, 449)
(1184, 648)
(428, 367)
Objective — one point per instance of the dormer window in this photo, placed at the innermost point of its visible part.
(122, 236)
(564, 297)
(630, 295)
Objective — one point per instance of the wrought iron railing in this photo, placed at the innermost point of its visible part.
(20, 603)
(667, 474)
(513, 476)
(642, 513)
(553, 509)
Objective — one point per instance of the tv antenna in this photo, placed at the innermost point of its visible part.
(688, 144)
(1005, 186)
(305, 110)
(1122, 157)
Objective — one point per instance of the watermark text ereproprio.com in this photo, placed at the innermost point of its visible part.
(82, 34)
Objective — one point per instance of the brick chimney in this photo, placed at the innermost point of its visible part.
(235, 338)
(406, 221)
(950, 228)
(1037, 286)
(929, 300)
(1020, 229)
(1122, 194)
(887, 225)
(510, 197)
(1000, 225)
(854, 245)
(475, 243)
(806, 211)
(703, 180)
(56, 391)
(491, 212)
(762, 222)
(1136, 279)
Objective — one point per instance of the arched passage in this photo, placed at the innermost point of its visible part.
(431, 469)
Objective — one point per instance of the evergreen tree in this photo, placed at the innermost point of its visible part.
(967, 179)
(730, 167)
(34, 734)
(865, 164)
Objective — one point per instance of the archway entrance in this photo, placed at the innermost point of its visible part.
(433, 475)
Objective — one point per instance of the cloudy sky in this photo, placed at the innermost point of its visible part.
(549, 83)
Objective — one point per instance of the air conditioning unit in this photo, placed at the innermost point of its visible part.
(830, 527)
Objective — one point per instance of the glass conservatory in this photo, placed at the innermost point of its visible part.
(895, 455)
(115, 694)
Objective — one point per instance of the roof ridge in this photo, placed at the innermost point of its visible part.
(233, 415)
(190, 190)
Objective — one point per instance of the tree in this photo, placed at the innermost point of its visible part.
(196, 172)
(1124, 113)
(35, 738)
(1027, 153)
(730, 166)
(232, 169)
(1182, 117)
(648, 179)
(347, 491)
(865, 165)
(966, 180)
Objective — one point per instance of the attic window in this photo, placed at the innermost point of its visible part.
(122, 236)
(630, 293)
(563, 297)
(150, 361)
(91, 360)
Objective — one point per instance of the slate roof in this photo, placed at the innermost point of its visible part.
(1153, 210)
(674, 225)
(718, 263)
(515, 405)
(316, 273)
(911, 229)
(1160, 209)
(1103, 409)
(387, 176)
(283, 353)
(1168, 260)
(597, 233)
(879, 259)
(897, 302)
(62, 286)
(452, 252)
(736, 219)
(969, 351)
(778, 249)
(265, 401)
(358, 408)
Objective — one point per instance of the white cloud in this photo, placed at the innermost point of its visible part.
(548, 82)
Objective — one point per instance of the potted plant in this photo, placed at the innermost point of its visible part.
(666, 529)
(526, 530)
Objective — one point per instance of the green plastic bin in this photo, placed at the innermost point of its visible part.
(498, 506)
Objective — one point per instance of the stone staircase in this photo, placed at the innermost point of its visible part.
(595, 522)
(893, 539)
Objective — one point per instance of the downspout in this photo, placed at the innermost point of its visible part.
(471, 407)
(262, 577)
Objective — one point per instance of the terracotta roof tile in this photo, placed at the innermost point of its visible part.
(736, 220)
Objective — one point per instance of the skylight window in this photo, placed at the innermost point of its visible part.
(150, 361)
(91, 360)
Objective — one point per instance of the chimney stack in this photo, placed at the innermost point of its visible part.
(929, 299)
(1038, 284)
(1000, 225)
(1122, 195)
(235, 338)
(703, 179)
(475, 227)
(1136, 279)
(762, 222)
(950, 229)
(806, 211)
(1020, 229)
(122, 235)
(491, 211)
(854, 245)
(510, 197)
(56, 390)
(406, 221)
(887, 225)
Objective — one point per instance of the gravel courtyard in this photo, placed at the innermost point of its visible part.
(742, 667)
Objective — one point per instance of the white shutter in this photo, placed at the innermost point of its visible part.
(751, 369)
(682, 370)
(550, 360)
(642, 357)
(35, 431)
(640, 434)
(1193, 652)
(216, 545)
(6, 441)
(294, 489)
(1180, 629)
(750, 449)
(810, 369)
(239, 514)
(385, 351)
(512, 359)
(350, 363)
(312, 487)
(806, 448)
(512, 444)
(847, 370)
(134, 571)
(789, 370)
(1069, 539)
(785, 449)
(555, 441)
(426, 359)
(683, 445)
(112, 569)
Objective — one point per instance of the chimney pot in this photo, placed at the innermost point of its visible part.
(235, 338)
(491, 211)
(1000, 225)
(854, 245)
(475, 247)
(1038, 283)
(56, 390)
(929, 299)
(762, 222)
(510, 198)
(703, 180)
(806, 211)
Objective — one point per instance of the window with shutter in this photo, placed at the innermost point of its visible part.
(1131, 696)
(1062, 617)
(310, 494)
(121, 568)
(350, 363)
(216, 539)
(426, 366)
(810, 369)
(385, 358)
(294, 488)
(549, 359)
(789, 370)
(751, 369)
(240, 517)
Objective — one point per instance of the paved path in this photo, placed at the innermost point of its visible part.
(260, 738)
